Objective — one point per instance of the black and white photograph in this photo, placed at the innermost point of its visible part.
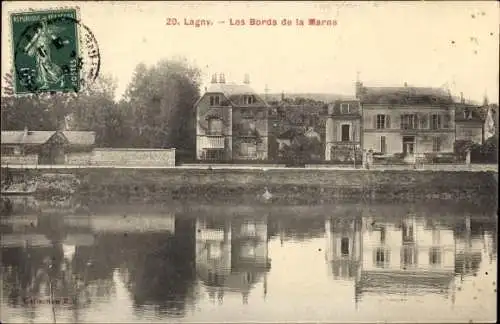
(249, 161)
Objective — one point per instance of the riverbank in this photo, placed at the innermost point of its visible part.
(286, 185)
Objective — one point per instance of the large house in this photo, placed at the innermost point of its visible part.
(43, 147)
(231, 123)
(406, 120)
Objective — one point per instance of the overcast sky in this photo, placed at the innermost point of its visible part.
(423, 44)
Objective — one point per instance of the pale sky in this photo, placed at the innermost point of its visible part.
(423, 44)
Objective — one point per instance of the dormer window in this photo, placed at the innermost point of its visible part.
(214, 100)
(248, 100)
(345, 108)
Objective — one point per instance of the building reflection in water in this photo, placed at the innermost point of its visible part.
(231, 255)
(412, 256)
(55, 254)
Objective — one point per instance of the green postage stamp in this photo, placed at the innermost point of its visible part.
(52, 51)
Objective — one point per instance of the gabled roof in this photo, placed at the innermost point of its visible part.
(234, 92)
(404, 95)
(41, 137)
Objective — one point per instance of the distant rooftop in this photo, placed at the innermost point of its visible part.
(404, 95)
(41, 137)
(231, 89)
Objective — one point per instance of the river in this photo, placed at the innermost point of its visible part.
(67, 262)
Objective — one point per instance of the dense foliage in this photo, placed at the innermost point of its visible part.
(157, 110)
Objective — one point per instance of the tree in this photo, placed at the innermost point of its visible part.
(91, 109)
(162, 99)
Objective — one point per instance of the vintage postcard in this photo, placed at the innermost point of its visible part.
(250, 161)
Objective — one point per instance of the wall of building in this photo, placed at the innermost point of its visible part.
(29, 159)
(425, 240)
(241, 125)
(213, 247)
(80, 158)
(370, 113)
(393, 141)
(394, 135)
(469, 131)
(334, 129)
(134, 157)
(222, 111)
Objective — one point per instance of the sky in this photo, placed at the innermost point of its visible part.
(438, 44)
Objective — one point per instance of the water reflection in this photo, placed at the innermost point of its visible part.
(80, 264)
(231, 255)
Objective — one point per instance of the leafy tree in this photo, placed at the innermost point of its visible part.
(91, 109)
(162, 99)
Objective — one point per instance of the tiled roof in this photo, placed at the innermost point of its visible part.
(33, 137)
(235, 93)
(230, 89)
(80, 137)
(41, 137)
(404, 95)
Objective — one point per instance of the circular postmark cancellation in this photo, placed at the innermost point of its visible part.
(55, 54)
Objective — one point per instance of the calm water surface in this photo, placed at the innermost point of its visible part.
(63, 262)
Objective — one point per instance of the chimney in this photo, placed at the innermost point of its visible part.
(222, 79)
(246, 80)
(406, 85)
(462, 99)
(214, 78)
(359, 89)
(283, 96)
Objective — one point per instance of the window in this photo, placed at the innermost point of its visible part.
(408, 256)
(382, 235)
(344, 246)
(248, 150)
(436, 121)
(214, 100)
(383, 145)
(214, 126)
(408, 121)
(408, 233)
(248, 100)
(345, 136)
(248, 250)
(435, 256)
(381, 257)
(214, 154)
(214, 250)
(436, 144)
(423, 121)
(383, 121)
(345, 108)
(250, 229)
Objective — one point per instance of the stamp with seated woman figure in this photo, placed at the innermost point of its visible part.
(53, 52)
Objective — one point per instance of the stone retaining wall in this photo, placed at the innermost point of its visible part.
(289, 186)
